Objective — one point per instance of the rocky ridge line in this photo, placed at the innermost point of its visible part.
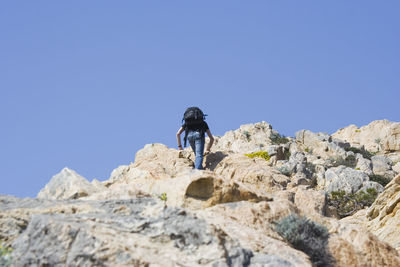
(159, 211)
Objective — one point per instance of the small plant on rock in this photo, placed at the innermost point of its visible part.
(163, 197)
(379, 179)
(350, 161)
(260, 154)
(307, 236)
(347, 204)
(247, 135)
(365, 153)
(278, 139)
(5, 255)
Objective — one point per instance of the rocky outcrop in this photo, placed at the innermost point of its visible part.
(248, 138)
(130, 233)
(229, 178)
(381, 135)
(382, 166)
(321, 144)
(344, 179)
(159, 211)
(384, 215)
(68, 185)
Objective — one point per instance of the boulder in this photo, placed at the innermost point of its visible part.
(321, 144)
(253, 173)
(380, 135)
(162, 162)
(343, 178)
(68, 185)
(296, 165)
(363, 164)
(310, 201)
(371, 184)
(382, 166)
(248, 138)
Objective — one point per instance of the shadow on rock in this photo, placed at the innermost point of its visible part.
(213, 159)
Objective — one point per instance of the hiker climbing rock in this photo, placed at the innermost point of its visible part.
(195, 128)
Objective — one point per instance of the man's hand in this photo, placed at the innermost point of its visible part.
(207, 152)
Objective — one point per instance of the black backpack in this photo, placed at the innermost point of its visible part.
(192, 116)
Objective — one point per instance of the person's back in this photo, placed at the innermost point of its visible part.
(194, 128)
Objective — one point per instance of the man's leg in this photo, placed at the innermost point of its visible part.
(199, 152)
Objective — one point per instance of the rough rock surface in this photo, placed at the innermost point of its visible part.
(344, 179)
(321, 144)
(384, 215)
(248, 138)
(382, 166)
(381, 135)
(230, 177)
(130, 232)
(158, 211)
(68, 185)
(396, 167)
(363, 164)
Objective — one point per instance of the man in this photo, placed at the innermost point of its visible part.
(194, 128)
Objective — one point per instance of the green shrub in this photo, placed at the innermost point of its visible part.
(5, 255)
(247, 135)
(350, 161)
(365, 153)
(259, 154)
(277, 139)
(348, 204)
(379, 179)
(307, 236)
(286, 154)
(163, 197)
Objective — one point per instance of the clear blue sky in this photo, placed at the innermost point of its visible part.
(85, 84)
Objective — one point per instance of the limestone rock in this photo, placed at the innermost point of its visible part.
(382, 166)
(344, 179)
(321, 144)
(384, 214)
(193, 189)
(309, 201)
(252, 224)
(228, 177)
(363, 164)
(380, 135)
(159, 211)
(142, 234)
(162, 162)
(353, 245)
(396, 167)
(248, 138)
(67, 185)
(296, 165)
(254, 173)
(371, 184)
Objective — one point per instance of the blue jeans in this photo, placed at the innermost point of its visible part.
(197, 141)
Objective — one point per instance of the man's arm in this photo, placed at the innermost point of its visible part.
(178, 138)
